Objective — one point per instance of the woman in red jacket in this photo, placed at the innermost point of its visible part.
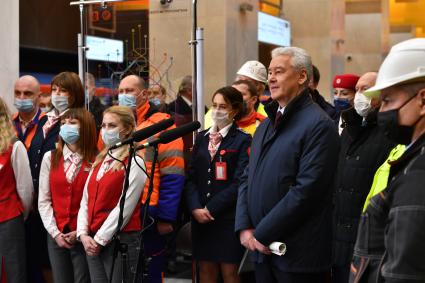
(16, 192)
(99, 210)
(63, 173)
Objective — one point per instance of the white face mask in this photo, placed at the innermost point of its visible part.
(111, 137)
(220, 117)
(362, 104)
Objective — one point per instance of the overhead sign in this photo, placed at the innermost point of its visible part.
(273, 30)
(104, 49)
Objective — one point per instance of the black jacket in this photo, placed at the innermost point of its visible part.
(402, 213)
(96, 108)
(326, 106)
(286, 191)
(363, 149)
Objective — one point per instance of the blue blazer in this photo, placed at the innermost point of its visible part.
(39, 146)
(286, 191)
(202, 188)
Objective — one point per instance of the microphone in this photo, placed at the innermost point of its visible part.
(145, 132)
(170, 135)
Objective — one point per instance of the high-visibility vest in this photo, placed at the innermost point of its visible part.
(380, 180)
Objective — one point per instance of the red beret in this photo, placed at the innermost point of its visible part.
(347, 81)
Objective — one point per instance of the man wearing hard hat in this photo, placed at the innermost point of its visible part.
(254, 72)
(390, 244)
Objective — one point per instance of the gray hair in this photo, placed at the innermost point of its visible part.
(300, 59)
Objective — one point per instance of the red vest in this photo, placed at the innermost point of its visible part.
(66, 197)
(103, 196)
(10, 204)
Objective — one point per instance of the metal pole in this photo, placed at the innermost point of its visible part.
(194, 64)
(82, 69)
(200, 76)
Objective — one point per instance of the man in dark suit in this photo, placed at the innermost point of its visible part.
(285, 193)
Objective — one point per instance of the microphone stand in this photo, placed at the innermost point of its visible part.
(142, 268)
(118, 245)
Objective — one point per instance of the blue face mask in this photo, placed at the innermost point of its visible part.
(110, 137)
(125, 99)
(69, 133)
(60, 102)
(24, 105)
(341, 104)
(155, 101)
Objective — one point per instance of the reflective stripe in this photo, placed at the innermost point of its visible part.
(170, 154)
(172, 170)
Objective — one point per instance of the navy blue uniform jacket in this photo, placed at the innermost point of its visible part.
(286, 192)
(202, 189)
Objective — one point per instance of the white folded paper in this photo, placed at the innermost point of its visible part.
(278, 248)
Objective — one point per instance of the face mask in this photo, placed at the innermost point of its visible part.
(111, 137)
(125, 99)
(69, 133)
(220, 118)
(45, 109)
(24, 105)
(388, 121)
(362, 104)
(341, 104)
(155, 101)
(60, 102)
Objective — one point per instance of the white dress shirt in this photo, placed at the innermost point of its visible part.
(22, 172)
(105, 233)
(45, 207)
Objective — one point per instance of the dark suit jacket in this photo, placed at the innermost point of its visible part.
(285, 193)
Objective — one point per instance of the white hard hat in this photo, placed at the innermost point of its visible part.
(254, 70)
(405, 62)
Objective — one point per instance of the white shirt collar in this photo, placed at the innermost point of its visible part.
(67, 152)
(281, 109)
(223, 132)
(55, 113)
(188, 102)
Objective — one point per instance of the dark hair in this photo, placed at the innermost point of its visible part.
(72, 83)
(316, 75)
(233, 97)
(251, 87)
(87, 140)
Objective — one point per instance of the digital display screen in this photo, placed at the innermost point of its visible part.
(273, 30)
(104, 49)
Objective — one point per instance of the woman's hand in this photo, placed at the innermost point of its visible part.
(61, 242)
(71, 237)
(202, 215)
(91, 247)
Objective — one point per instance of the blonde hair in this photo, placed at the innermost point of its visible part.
(7, 132)
(126, 117)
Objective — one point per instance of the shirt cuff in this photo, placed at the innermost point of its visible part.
(101, 241)
(54, 232)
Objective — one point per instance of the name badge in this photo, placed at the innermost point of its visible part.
(86, 169)
(221, 171)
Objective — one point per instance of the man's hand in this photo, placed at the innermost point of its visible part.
(245, 236)
(202, 215)
(91, 247)
(261, 248)
(164, 228)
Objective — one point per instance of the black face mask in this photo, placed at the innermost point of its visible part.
(388, 121)
(244, 108)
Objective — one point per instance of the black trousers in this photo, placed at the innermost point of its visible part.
(266, 273)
